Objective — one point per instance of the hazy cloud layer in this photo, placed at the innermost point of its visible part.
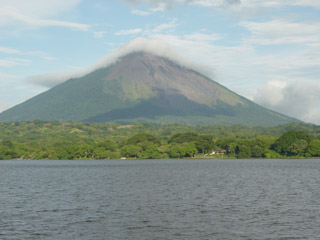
(18, 60)
(282, 32)
(251, 4)
(35, 13)
(165, 27)
(140, 12)
(40, 8)
(129, 31)
(167, 4)
(10, 62)
(9, 50)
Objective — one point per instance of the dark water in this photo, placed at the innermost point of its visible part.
(160, 199)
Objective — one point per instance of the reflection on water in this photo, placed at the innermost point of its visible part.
(160, 199)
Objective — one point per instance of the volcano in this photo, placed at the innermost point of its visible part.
(143, 87)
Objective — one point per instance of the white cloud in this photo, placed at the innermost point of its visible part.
(240, 6)
(49, 58)
(282, 32)
(211, 3)
(16, 61)
(39, 8)
(201, 37)
(298, 99)
(35, 13)
(161, 7)
(311, 3)
(129, 31)
(169, 3)
(9, 50)
(140, 12)
(165, 27)
(56, 23)
(10, 62)
(12, 16)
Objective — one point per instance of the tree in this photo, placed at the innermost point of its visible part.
(227, 144)
(149, 150)
(108, 145)
(244, 151)
(176, 151)
(298, 147)
(130, 151)
(142, 137)
(284, 144)
(257, 151)
(184, 137)
(204, 144)
(100, 153)
(7, 153)
(189, 149)
(314, 148)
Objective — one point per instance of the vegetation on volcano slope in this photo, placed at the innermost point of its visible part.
(74, 140)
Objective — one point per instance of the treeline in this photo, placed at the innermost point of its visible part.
(54, 140)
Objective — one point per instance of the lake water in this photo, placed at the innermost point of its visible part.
(160, 199)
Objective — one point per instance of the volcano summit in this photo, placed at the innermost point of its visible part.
(143, 87)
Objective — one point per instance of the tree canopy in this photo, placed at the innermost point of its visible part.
(73, 140)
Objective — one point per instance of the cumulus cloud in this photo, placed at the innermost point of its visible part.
(154, 46)
(297, 99)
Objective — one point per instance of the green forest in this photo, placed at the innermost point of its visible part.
(75, 140)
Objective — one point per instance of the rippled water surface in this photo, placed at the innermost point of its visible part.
(160, 199)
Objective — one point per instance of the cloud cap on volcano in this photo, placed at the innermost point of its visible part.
(154, 46)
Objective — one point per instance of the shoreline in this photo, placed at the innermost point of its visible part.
(146, 159)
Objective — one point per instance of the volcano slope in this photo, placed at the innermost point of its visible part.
(142, 87)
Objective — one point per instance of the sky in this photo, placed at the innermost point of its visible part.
(267, 51)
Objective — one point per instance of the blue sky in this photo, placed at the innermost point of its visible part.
(267, 51)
